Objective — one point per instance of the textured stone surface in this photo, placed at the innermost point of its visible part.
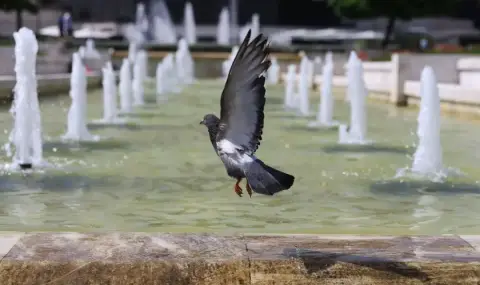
(125, 258)
(472, 240)
(143, 258)
(371, 260)
(7, 241)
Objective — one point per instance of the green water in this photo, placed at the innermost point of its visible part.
(161, 174)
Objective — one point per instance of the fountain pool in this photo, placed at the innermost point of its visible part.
(162, 175)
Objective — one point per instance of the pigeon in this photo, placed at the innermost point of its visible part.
(236, 135)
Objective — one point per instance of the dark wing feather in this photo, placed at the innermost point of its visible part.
(243, 97)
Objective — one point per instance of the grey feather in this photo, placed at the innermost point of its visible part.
(243, 97)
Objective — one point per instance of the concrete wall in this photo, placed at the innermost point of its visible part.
(51, 84)
(47, 63)
(398, 80)
(445, 66)
(34, 22)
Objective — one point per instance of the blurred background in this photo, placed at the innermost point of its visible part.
(374, 28)
(448, 21)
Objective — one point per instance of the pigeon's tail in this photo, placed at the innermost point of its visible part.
(266, 180)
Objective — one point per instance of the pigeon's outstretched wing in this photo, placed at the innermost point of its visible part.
(243, 97)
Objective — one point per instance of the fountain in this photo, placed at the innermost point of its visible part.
(132, 34)
(310, 73)
(317, 65)
(273, 73)
(189, 23)
(125, 87)
(228, 62)
(357, 93)
(184, 63)
(137, 32)
(81, 51)
(163, 33)
(26, 135)
(325, 109)
(163, 29)
(223, 28)
(142, 58)
(304, 87)
(160, 82)
(290, 83)
(255, 25)
(132, 52)
(428, 158)
(352, 59)
(138, 79)
(141, 21)
(90, 50)
(329, 57)
(172, 81)
(77, 115)
(110, 112)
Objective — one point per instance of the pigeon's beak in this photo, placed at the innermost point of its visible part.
(202, 122)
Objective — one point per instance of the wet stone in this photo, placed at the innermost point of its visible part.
(472, 240)
(320, 260)
(125, 258)
(7, 241)
(444, 248)
(180, 259)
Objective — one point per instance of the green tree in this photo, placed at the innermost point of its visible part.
(393, 10)
(18, 6)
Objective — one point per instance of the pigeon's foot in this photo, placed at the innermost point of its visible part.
(237, 188)
(249, 190)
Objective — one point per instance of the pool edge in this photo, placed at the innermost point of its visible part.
(167, 258)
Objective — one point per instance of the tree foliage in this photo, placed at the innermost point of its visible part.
(402, 9)
(393, 9)
(18, 5)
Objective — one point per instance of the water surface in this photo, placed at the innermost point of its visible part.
(161, 174)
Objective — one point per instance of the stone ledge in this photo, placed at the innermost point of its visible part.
(164, 258)
(47, 85)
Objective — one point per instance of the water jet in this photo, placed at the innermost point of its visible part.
(326, 106)
(77, 115)
(428, 157)
(223, 28)
(356, 132)
(26, 135)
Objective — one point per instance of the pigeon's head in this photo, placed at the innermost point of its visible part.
(210, 121)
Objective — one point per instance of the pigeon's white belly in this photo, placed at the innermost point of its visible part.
(234, 161)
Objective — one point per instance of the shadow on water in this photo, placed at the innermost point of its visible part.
(373, 148)
(163, 127)
(145, 115)
(306, 128)
(127, 126)
(57, 182)
(68, 147)
(402, 188)
(274, 101)
(283, 115)
(317, 263)
(150, 100)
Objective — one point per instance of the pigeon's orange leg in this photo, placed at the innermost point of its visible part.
(237, 188)
(249, 190)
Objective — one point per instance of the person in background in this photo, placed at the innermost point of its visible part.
(65, 25)
(423, 44)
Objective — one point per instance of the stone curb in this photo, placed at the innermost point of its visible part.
(48, 84)
(165, 258)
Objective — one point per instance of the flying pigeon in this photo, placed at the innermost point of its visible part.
(236, 135)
